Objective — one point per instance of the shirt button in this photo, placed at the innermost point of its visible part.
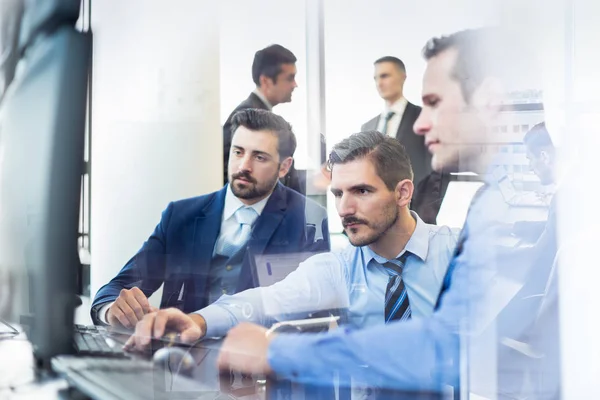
(229, 268)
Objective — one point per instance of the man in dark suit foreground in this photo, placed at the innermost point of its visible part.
(274, 74)
(397, 120)
(203, 247)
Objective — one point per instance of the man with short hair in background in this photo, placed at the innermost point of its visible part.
(397, 120)
(274, 74)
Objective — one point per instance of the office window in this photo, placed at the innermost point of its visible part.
(503, 129)
(516, 128)
(524, 127)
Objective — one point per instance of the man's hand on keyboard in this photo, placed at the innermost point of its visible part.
(154, 325)
(129, 308)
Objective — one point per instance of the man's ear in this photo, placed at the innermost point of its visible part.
(265, 81)
(285, 166)
(404, 192)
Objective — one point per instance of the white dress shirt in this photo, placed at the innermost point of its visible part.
(353, 279)
(398, 108)
(228, 224)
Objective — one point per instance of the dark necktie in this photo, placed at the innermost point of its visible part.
(397, 306)
(462, 238)
(386, 122)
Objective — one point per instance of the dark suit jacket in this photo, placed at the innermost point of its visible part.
(430, 186)
(180, 249)
(413, 143)
(292, 180)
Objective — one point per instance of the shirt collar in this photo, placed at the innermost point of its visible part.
(418, 244)
(232, 204)
(262, 97)
(398, 107)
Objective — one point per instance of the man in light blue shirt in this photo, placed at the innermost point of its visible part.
(477, 334)
(353, 279)
(372, 185)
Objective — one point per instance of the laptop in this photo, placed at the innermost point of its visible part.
(511, 196)
(268, 269)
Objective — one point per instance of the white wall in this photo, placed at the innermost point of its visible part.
(357, 32)
(248, 26)
(156, 129)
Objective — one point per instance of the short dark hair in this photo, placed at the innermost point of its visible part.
(538, 139)
(268, 62)
(263, 120)
(391, 59)
(479, 56)
(391, 160)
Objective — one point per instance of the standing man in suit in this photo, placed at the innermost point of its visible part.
(397, 120)
(399, 115)
(203, 247)
(274, 74)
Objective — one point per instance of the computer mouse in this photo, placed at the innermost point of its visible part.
(175, 360)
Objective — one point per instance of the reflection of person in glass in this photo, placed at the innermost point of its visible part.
(541, 153)
(462, 88)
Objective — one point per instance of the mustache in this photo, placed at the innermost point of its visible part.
(352, 220)
(245, 175)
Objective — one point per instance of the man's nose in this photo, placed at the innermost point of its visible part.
(422, 124)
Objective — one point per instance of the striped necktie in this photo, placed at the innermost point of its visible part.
(397, 306)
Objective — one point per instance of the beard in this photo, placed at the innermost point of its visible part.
(252, 189)
(389, 217)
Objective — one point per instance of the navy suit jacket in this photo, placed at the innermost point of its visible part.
(179, 251)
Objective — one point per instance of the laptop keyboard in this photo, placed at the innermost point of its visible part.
(94, 341)
(131, 379)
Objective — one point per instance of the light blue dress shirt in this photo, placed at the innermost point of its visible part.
(352, 279)
(223, 276)
(482, 320)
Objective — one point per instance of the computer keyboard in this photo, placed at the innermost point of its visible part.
(131, 379)
(95, 341)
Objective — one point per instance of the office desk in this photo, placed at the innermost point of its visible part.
(18, 377)
(19, 380)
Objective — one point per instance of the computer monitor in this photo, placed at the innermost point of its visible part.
(42, 127)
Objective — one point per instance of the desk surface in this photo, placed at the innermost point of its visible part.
(19, 380)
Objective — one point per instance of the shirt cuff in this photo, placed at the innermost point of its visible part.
(218, 321)
(283, 355)
(103, 311)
